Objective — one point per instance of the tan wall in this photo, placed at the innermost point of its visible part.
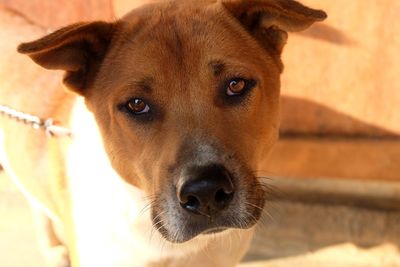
(121, 7)
(341, 87)
(343, 76)
(57, 13)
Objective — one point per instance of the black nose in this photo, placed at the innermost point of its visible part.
(208, 190)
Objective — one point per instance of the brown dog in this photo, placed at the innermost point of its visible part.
(185, 98)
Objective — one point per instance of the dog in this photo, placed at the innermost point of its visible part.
(173, 108)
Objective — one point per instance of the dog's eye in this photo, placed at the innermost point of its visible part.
(138, 106)
(236, 87)
(236, 90)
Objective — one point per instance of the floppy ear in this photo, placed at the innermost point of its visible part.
(77, 49)
(270, 20)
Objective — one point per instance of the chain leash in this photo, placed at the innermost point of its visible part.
(49, 126)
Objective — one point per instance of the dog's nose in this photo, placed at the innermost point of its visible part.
(209, 190)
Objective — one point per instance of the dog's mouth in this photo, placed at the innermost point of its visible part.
(178, 225)
(214, 230)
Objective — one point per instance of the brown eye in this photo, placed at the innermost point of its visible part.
(138, 106)
(236, 87)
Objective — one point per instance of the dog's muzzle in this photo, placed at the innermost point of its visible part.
(207, 190)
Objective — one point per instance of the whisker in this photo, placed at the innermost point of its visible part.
(175, 235)
(146, 207)
(157, 226)
(254, 220)
(253, 205)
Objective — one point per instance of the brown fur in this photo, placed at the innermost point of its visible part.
(177, 56)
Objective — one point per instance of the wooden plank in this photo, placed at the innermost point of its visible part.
(383, 195)
(302, 234)
(344, 158)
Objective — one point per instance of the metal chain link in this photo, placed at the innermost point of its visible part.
(47, 125)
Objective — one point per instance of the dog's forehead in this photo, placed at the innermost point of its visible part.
(178, 41)
(176, 24)
(171, 8)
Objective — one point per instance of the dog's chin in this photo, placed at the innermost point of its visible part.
(189, 232)
(188, 236)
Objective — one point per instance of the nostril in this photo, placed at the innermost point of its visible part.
(222, 198)
(191, 204)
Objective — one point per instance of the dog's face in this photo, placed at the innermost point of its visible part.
(187, 103)
(186, 96)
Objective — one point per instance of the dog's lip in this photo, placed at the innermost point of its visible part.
(215, 230)
(201, 230)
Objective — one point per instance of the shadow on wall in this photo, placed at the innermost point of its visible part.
(301, 117)
(327, 33)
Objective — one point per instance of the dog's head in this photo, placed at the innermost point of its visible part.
(186, 95)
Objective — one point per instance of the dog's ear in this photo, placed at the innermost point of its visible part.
(270, 20)
(77, 49)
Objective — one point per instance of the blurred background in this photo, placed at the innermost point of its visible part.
(337, 166)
